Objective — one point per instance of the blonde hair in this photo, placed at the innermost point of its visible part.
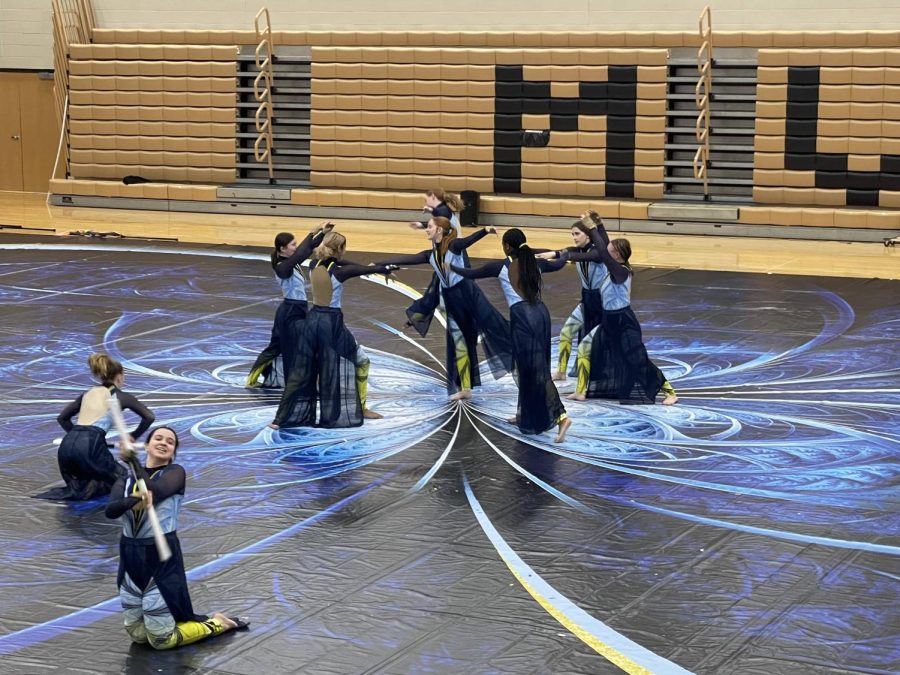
(104, 368)
(331, 245)
(450, 199)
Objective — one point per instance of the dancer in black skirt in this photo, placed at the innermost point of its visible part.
(85, 461)
(539, 407)
(612, 360)
(469, 313)
(331, 368)
(153, 593)
(287, 259)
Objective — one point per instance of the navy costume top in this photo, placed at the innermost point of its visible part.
(500, 269)
(288, 270)
(455, 258)
(339, 272)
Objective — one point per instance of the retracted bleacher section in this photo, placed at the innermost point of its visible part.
(164, 112)
(392, 113)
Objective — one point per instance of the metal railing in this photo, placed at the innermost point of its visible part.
(264, 112)
(72, 23)
(702, 98)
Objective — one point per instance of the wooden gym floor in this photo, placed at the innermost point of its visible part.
(719, 253)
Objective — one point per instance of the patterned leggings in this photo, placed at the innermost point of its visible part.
(567, 336)
(362, 374)
(147, 619)
(462, 353)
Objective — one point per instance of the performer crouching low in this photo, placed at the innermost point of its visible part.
(154, 594)
(85, 462)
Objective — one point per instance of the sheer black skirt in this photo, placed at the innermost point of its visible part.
(592, 309)
(539, 406)
(620, 366)
(323, 373)
(140, 559)
(467, 305)
(281, 343)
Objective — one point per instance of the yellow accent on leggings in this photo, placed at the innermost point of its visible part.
(255, 374)
(463, 367)
(188, 632)
(583, 368)
(566, 340)
(362, 382)
(465, 376)
(668, 389)
(565, 351)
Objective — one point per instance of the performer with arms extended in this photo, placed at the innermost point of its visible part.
(539, 407)
(287, 259)
(331, 368)
(469, 313)
(588, 240)
(612, 360)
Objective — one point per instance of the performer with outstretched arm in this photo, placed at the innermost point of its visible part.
(588, 240)
(612, 360)
(287, 259)
(440, 203)
(331, 368)
(85, 462)
(469, 313)
(539, 407)
(154, 593)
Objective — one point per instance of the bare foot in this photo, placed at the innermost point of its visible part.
(513, 420)
(671, 399)
(224, 621)
(563, 428)
(575, 396)
(559, 376)
(461, 395)
(372, 415)
(272, 425)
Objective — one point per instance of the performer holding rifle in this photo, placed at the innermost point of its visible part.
(151, 579)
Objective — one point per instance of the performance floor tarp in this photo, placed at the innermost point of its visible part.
(752, 528)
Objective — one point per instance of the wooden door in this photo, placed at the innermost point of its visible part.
(40, 132)
(10, 134)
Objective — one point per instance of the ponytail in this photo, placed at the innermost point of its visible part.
(282, 239)
(104, 368)
(529, 274)
(623, 248)
(450, 199)
(332, 244)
